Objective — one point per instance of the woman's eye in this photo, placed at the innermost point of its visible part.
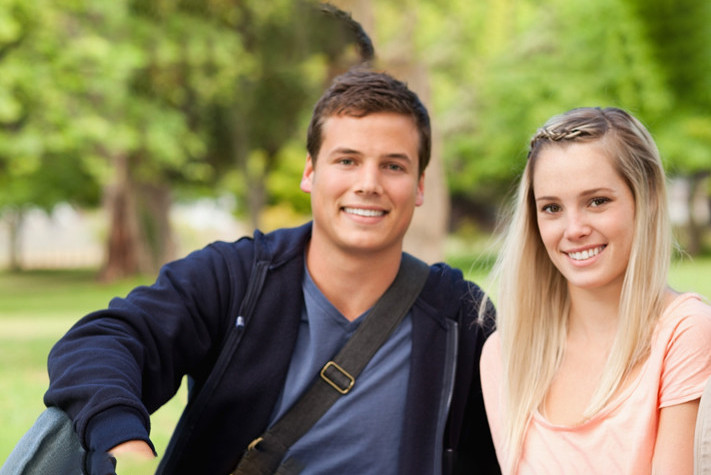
(550, 208)
(598, 201)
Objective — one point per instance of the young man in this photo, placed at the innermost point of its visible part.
(417, 403)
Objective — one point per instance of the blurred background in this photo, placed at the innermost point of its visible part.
(133, 131)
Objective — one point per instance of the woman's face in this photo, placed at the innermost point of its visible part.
(585, 213)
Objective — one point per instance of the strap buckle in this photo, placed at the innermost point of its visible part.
(253, 445)
(345, 381)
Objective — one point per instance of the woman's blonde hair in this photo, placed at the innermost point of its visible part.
(533, 300)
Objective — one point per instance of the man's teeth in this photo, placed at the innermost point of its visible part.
(364, 212)
(586, 254)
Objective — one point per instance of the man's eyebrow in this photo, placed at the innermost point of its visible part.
(345, 151)
(398, 156)
(350, 151)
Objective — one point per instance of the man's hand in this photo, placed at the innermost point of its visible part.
(138, 448)
(134, 456)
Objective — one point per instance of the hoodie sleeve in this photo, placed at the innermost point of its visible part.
(116, 366)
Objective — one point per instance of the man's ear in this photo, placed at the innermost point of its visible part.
(420, 196)
(308, 176)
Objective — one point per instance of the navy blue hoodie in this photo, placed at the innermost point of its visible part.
(117, 366)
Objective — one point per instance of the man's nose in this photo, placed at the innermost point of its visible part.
(369, 179)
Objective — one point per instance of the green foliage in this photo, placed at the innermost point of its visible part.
(526, 64)
(679, 36)
(36, 162)
(196, 91)
(283, 182)
(289, 65)
(685, 142)
(194, 97)
(31, 325)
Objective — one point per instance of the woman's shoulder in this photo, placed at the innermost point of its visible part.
(687, 311)
(493, 342)
(684, 329)
(491, 353)
(682, 345)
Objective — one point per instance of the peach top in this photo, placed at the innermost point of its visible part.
(620, 438)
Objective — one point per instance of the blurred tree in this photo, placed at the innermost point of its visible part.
(398, 27)
(679, 36)
(184, 61)
(150, 97)
(290, 63)
(40, 164)
(504, 67)
(148, 100)
(83, 113)
(236, 75)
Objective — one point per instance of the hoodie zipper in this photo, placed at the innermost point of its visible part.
(254, 288)
(450, 369)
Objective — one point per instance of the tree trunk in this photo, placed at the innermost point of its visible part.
(156, 232)
(695, 227)
(15, 217)
(140, 236)
(255, 177)
(123, 253)
(428, 230)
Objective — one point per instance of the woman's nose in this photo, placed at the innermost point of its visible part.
(577, 226)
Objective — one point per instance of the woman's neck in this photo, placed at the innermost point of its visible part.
(594, 313)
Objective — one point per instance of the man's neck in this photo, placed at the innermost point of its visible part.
(352, 282)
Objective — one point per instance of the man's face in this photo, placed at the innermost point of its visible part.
(364, 183)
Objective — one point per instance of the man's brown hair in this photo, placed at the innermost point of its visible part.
(360, 92)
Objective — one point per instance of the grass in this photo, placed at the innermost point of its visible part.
(38, 307)
(691, 275)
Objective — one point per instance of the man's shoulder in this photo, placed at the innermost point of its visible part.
(283, 244)
(447, 289)
(276, 246)
(450, 279)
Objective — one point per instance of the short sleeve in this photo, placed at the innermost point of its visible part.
(687, 360)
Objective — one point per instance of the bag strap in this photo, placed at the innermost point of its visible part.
(338, 376)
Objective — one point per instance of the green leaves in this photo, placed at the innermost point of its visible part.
(502, 68)
(195, 90)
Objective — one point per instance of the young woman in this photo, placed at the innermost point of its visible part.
(596, 366)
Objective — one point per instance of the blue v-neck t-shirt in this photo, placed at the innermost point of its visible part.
(361, 432)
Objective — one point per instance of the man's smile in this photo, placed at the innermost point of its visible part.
(369, 213)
